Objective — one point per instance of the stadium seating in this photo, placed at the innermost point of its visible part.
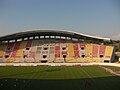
(70, 49)
(9, 60)
(15, 49)
(89, 52)
(38, 53)
(2, 50)
(57, 54)
(82, 50)
(102, 50)
(19, 53)
(95, 51)
(29, 43)
(51, 52)
(76, 49)
(71, 54)
(108, 52)
(45, 50)
(8, 52)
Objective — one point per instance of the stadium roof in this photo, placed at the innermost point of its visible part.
(49, 32)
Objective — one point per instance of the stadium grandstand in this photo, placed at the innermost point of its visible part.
(54, 46)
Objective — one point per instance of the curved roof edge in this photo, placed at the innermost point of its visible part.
(54, 30)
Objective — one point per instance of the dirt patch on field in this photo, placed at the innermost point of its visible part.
(117, 73)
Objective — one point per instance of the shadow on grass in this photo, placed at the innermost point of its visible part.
(103, 83)
(52, 70)
(29, 73)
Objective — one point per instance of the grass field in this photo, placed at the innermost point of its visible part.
(57, 78)
(113, 68)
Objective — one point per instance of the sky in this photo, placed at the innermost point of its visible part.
(92, 17)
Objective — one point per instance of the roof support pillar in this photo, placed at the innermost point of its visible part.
(55, 37)
(49, 37)
(65, 38)
(22, 39)
(60, 37)
(0, 42)
(28, 38)
(8, 41)
(85, 39)
(33, 37)
(15, 40)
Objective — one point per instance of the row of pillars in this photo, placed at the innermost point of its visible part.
(47, 37)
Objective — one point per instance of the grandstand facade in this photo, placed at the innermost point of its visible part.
(54, 46)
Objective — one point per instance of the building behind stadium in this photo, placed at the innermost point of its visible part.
(54, 46)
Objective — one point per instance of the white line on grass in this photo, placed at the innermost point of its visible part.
(88, 74)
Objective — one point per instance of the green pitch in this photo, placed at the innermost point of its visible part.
(57, 78)
(115, 69)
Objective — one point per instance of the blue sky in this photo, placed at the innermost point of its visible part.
(93, 17)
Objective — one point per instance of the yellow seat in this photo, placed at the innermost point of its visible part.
(109, 51)
(16, 61)
(2, 50)
(10, 60)
(19, 53)
(70, 60)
